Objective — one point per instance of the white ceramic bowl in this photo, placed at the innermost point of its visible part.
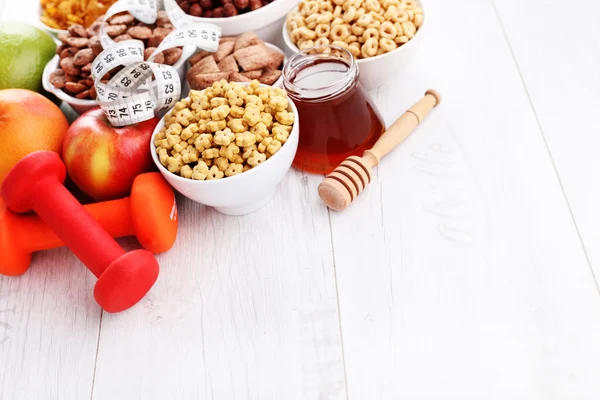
(278, 82)
(240, 194)
(81, 106)
(266, 22)
(378, 70)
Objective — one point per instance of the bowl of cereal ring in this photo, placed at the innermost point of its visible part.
(228, 146)
(382, 35)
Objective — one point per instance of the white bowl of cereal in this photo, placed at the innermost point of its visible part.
(382, 42)
(236, 165)
(239, 59)
(265, 21)
(80, 46)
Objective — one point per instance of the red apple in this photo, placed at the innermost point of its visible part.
(102, 160)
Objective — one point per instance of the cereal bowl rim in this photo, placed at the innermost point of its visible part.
(240, 17)
(291, 46)
(224, 180)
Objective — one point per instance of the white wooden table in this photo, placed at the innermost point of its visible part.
(465, 271)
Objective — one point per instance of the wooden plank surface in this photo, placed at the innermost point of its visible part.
(562, 81)
(464, 277)
(245, 308)
(460, 274)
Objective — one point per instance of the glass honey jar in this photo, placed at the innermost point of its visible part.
(337, 117)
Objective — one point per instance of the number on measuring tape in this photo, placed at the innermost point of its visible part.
(142, 88)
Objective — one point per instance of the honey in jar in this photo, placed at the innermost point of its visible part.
(337, 117)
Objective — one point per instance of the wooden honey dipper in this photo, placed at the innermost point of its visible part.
(351, 177)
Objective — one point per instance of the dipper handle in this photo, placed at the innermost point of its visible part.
(402, 128)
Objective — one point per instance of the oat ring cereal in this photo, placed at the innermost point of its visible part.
(370, 33)
(339, 33)
(387, 45)
(369, 49)
(322, 41)
(366, 28)
(387, 30)
(323, 31)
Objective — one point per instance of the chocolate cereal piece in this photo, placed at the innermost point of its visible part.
(206, 66)
(237, 77)
(115, 30)
(78, 30)
(148, 52)
(252, 74)
(257, 57)
(96, 45)
(172, 55)
(225, 49)
(159, 58)
(202, 81)
(275, 59)
(198, 56)
(83, 95)
(245, 40)
(67, 65)
(94, 29)
(158, 36)
(140, 32)
(270, 76)
(120, 19)
(83, 57)
(63, 36)
(162, 18)
(58, 79)
(228, 64)
(78, 42)
(61, 47)
(68, 52)
(75, 87)
(122, 38)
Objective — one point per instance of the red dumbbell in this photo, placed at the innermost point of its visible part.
(36, 183)
(150, 213)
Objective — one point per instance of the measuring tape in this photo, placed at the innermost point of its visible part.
(143, 88)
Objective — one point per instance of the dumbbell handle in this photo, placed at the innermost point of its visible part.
(65, 215)
(41, 237)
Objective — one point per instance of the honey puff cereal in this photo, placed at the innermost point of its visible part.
(224, 130)
(366, 28)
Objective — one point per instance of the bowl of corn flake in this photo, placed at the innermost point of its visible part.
(228, 146)
(59, 15)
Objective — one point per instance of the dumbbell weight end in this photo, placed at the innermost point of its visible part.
(126, 281)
